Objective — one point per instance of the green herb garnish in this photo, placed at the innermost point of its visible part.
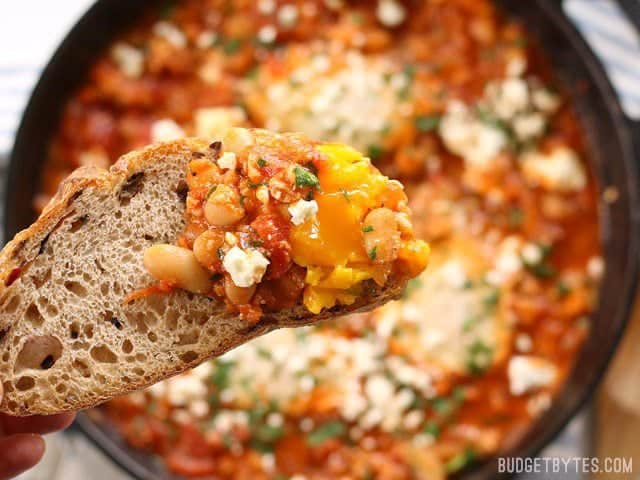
(562, 289)
(479, 357)
(427, 123)
(374, 152)
(262, 162)
(231, 46)
(431, 428)
(211, 190)
(326, 432)
(305, 178)
(515, 217)
(373, 253)
(222, 374)
(461, 460)
(367, 229)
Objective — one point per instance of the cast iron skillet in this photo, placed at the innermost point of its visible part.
(611, 138)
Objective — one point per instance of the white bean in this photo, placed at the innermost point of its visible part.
(178, 265)
(223, 207)
(238, 295)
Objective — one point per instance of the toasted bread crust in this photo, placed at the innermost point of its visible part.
(106, 380)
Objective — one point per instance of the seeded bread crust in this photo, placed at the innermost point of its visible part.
(67, 340)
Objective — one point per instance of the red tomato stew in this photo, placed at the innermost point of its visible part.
(453, 99)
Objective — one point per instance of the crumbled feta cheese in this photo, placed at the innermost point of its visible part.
(559, 170)
(532, 253)
(476, 142)
(507, 263)
(184, 389)
(379, 389)
(130, 60)
(454, 274)
(413, 419)
(288, 15)
(206, 39)
(516, 67)
(539, 403)
(307, 383)
(303, 210)
(215, 121)
(246, 267)
(353, 405)
(268, 462)
(307, 424)
(509, 97)
(390, 13)
(528, 373)
(199, 408)
(523, 343)
(203, 371)
(321, 63)
(158, 389)
(228, 161)
(529, 126)
(165, 130)
(266, 7)
(267, 34)
(275, 419)
(595, 268)
(545, 101)
(170, 33)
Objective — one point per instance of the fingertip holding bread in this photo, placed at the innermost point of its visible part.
(68, 338)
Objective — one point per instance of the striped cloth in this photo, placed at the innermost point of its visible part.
(28, 40)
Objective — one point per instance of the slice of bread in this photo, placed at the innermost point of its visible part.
(67, 339)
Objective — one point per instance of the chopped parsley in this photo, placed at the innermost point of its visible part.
(431, 428)
(326, 432)
(251, 184)
(373, 253)
(479, 357)
(515, 217)
(447, 406)
(253, 73)
(211, 190)
(469, 323)
(262, 162)
(562, 289)
(222, 374)
(375, 152)
(367, 229)
(231, 46)
(462, 460)
(256, 243)
(542, 269)
(305, 177)
(427, 123)
(492, 299)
